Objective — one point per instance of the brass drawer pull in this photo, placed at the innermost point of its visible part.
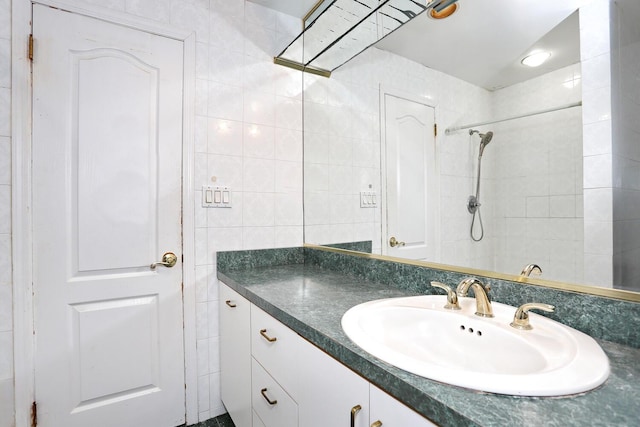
(377, 424)
(230, 304)
(354, 412)
(263, 332)
(263, 392)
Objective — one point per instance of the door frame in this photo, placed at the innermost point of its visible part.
(384, 91)
(21, 186)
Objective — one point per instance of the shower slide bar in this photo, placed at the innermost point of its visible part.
(534, 113)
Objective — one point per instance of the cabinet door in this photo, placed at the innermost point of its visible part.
(257, 422)
(235, 355)
(392, 413)
(330, 392)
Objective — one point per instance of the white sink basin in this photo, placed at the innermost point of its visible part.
(457, 347)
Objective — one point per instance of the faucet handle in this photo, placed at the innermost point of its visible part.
(521, 318)
(452, 297)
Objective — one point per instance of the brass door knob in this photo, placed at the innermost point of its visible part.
(169, 259)
(393, 242)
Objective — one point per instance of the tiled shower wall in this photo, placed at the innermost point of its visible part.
(534, 191)
(248, 137)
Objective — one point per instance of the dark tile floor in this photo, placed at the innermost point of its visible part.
(220, 421)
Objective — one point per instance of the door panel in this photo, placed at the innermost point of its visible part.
(114, 112)
(107, 144)
(101, 347)
(411, 196)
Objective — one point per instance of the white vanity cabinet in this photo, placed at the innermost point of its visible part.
(235, 355)
(272, 377)
(330, 394)
(393, 413)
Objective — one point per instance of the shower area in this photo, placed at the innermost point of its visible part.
(524, 200)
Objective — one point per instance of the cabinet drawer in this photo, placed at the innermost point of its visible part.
(270, 402)
(276, 347)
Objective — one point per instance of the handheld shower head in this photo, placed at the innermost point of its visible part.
(485, 140)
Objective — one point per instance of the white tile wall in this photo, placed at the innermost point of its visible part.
(595, 51)
(251, 119)
(342, 144)
(532, 175)
(538, 165)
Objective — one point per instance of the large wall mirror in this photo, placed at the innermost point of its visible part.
(551, 154)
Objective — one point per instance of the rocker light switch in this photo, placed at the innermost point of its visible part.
(368, 199)
(216, 196)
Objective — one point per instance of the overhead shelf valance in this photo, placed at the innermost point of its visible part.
(341, 29)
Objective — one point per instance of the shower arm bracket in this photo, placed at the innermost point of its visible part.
(472, 204)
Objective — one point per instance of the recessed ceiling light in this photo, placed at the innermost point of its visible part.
(536, 59)
(445, 12)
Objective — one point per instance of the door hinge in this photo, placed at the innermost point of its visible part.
(31, 47)
(435, 129)
(34, 414)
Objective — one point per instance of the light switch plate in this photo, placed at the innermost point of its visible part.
(368, 199)
(216, 196)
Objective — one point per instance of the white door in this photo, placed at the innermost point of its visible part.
(410, 198)
(107, 138)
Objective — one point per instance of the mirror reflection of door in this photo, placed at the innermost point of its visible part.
(410, 199)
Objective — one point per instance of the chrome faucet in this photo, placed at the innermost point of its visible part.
(483, 305)
(531, 268)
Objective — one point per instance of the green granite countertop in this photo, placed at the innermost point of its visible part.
(311, 301)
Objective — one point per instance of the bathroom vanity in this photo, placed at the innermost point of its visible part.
(286, 361)
(274, 377)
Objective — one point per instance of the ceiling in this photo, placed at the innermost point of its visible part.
(484, 42)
